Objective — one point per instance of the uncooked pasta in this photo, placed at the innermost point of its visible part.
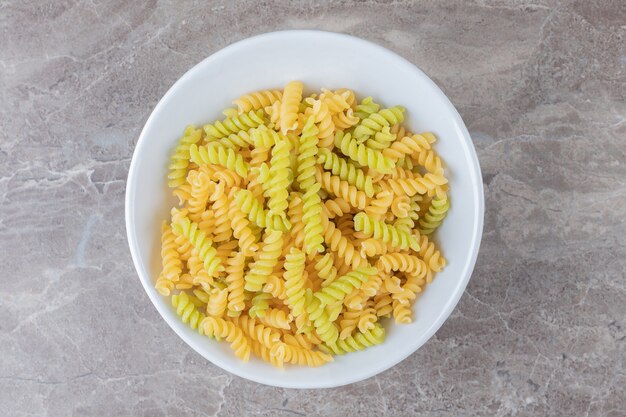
(303, 222)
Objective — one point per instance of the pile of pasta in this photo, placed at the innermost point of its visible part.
(302, 221)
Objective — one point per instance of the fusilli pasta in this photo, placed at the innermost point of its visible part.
(302, 222)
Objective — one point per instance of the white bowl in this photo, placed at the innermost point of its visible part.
(319, 59)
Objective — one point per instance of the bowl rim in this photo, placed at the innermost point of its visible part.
(452, 301)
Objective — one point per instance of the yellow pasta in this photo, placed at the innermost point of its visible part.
(303, 224)
(172, 265)
(342, 189)
(292, 96)
(235, 282)
(216, 327)
(257, 100)
(347, 171)
(188, 313)
(180, 159)
(277, 319)
(234, 124)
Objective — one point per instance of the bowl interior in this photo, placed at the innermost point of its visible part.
(319, 59)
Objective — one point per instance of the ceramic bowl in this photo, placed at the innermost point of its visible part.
(319, 59)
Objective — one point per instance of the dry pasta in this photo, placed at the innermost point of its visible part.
(302, 222)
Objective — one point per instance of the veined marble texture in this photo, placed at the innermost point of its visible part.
(541, 330)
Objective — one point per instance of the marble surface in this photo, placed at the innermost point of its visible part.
(541, 329)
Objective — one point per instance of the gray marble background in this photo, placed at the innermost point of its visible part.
(541, 329)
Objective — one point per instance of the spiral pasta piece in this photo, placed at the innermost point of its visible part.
(172, 265)
(203, 245)
(367, 319)
(183, 193)
(273, 112)
(415, 185)
(312, 206)
(345, 119)
(303, 324)
(338, 243)
(358, 341)
(387, 233)
(217, 327)
(407, 145)
(260, 304)
(298, 339)
(400, 262)
(404, 223)
(184, 283)
(337, 101)
(257, 157)
(375, 122)
(275, 285)
(184, 247)
(429, 160)
(336, 207)
(219, 155)
(292, 95)
(264, 138)
(199, 195)
(400, 131)
(436, 213)
(277, 189)
(430, 254)
(195, 265)
(401, 206)
(325, 329)
(296, 214)
(263, 352)
(241, 231)
(381, 140)
(358, 298)
(362, 154)
(401, 312)
(410, 289)
(294, 281)
(257, 100)
(335, 185)
(276, 318)
(265, 260)
(251, 206)
(224, 249)
(380, 205)
(373, 247)
(383, 304)
(334, 310)
(366, 108)
(202, 296)
(348, 322)
(239, 141)
(164, 285)
(325, 125)
(297, 355)
(222, 231)
(392, 285)
(234, 124)
(188, 313)
(228, 178)
(325, 267)
(235, 265)
(346, 171)
(344, 285)
(256, 331)
(180, 160)
(399, 172)
(218, 301)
